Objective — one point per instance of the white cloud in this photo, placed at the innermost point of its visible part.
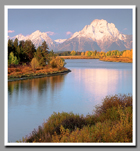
(125, 29)
(69, 33)
(50, 33)
(11, 31)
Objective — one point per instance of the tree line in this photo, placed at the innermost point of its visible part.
(97, 54)
(68, 53)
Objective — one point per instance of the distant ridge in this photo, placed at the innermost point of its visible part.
(37, 38)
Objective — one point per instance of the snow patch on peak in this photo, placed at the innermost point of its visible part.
(37, 32)
(122, 36)
(98, 22)
(112, 25)
(74, 35)
(95, 21)
(19, 37)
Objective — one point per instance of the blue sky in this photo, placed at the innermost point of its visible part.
(62, 23)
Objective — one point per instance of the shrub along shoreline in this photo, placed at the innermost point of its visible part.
(107, 59)
(111, 122)
(17, 75)
(117, 59)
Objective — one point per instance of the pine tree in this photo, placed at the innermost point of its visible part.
(10, 46)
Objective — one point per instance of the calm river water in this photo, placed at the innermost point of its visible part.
(31, 102)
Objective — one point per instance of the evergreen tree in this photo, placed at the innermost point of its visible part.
(10, 46)
(27, 50)
(15, 44)
(40, 56)
(45, 47)
(95, 52)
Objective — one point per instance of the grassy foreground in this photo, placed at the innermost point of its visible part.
(26, 72)
(111, 122)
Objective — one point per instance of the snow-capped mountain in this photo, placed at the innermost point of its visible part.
(99, 35)
(100, 30)
(19, 37)
(37, 38)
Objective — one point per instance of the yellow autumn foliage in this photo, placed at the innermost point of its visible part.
(73, 53)
(82, 53)
(128, 54)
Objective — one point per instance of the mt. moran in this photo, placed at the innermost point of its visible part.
(99, 35)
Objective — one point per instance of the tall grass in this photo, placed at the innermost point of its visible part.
(112, 122)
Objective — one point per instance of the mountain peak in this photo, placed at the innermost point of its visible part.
(98, 22)
(37, 32)
(102, 24)
(98, 30)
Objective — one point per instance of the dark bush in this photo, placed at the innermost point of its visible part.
(71, 123)
(113, 101)
(38, 136)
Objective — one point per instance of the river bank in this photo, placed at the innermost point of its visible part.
(78, 57)
(23, 73)
(107, 59)
(118, 59)
(112, 122)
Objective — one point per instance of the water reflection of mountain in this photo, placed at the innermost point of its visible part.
(99, 83)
